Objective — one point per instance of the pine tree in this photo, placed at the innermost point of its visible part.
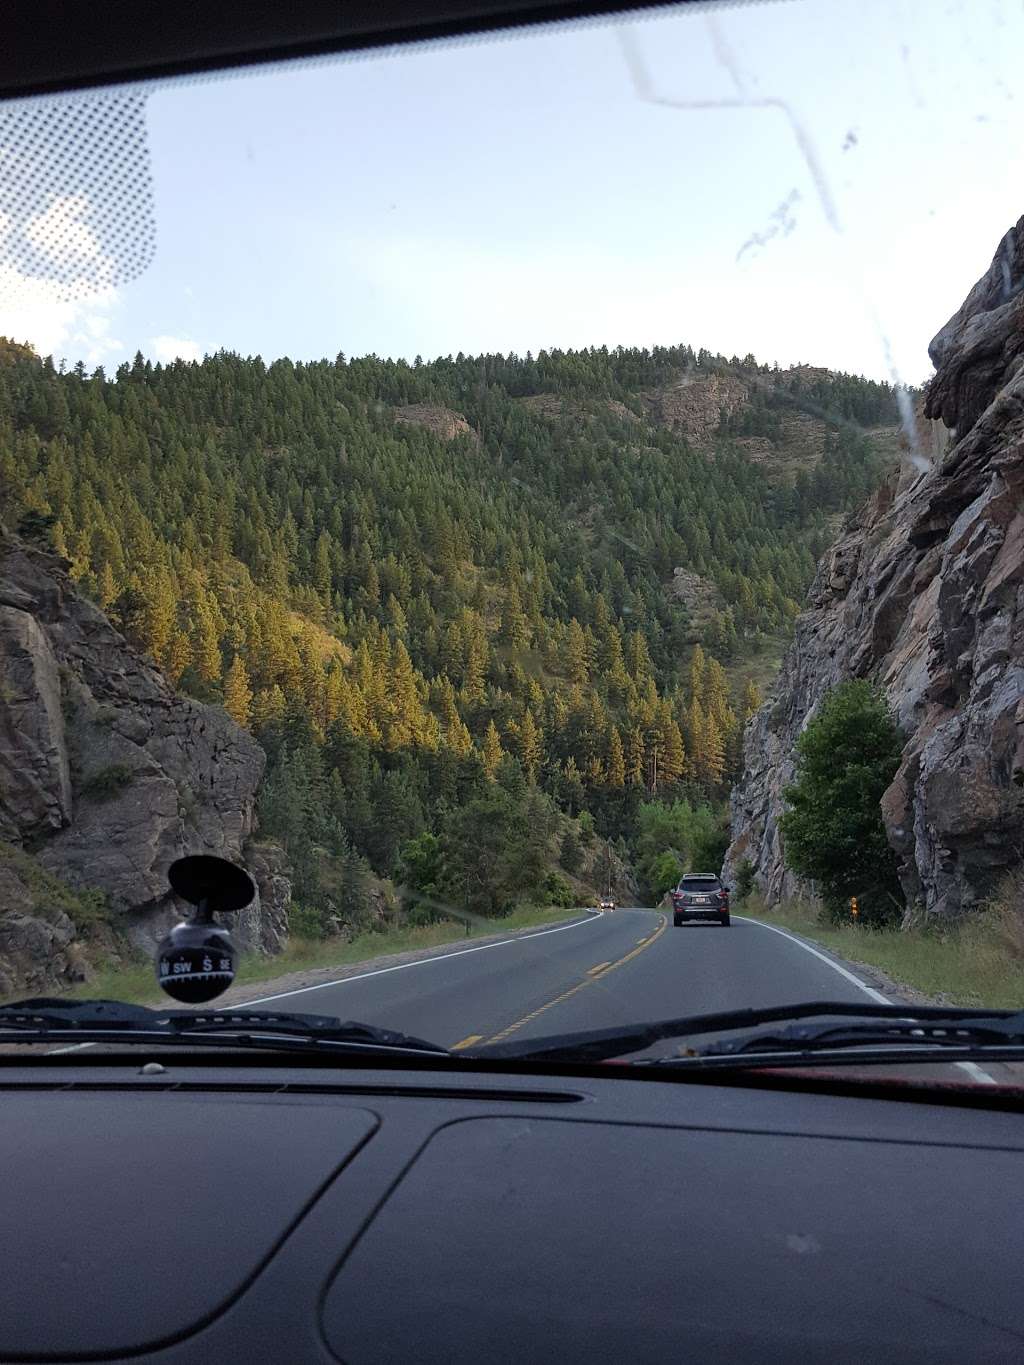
(696, 675)
(576, 664)
(493, 753)
(404, 719)
(237, 692)
(178, 657)
(635, 758)
(615, 761)
(476, 668)
(713, 760)
(515, 628)
(570, 787)
(205, 641)
(696, 742)
(673, 754)
(396, 617)
(160, 613)
(529, 746)
(268, 706)
(107, 590)
(322, 569)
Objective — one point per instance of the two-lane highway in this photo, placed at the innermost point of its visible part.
(607, 970)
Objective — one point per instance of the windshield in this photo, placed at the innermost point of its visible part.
(547, 506)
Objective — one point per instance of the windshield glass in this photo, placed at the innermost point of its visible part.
(499, 492)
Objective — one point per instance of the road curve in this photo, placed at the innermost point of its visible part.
(623, 967)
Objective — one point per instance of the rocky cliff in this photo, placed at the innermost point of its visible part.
(106, 775)
(924, 592)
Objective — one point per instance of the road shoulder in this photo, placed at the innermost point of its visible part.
(878, 980)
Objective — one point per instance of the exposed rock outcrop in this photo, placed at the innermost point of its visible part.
(441, 421)
(924, 592)
(699, 596)
(557, 406)
(694, 404)
(106, 775)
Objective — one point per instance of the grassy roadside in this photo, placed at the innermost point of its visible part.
(979, 963)
(136, 982)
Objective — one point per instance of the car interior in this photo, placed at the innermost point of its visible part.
(198, 1185)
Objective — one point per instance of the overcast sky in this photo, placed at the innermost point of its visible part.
(810, 180)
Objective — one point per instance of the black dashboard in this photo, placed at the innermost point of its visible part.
(296, 1214)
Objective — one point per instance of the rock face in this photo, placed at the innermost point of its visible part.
(924, 592)
(106, 775)
(698, 595)
(694, 404)
(441, 421)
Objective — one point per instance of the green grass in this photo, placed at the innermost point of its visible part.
(136, 982)
(979, 963)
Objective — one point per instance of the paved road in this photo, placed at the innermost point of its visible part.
(619, 968)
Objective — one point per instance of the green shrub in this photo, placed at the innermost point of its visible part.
(306, 921)
(833, 832)
(664, 874)
(557, 891)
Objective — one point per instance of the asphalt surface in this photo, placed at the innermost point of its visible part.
(607, 970)
(622, 967)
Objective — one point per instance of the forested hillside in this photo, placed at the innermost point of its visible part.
(444, 596)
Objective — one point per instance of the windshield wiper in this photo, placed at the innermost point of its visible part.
(965, 1033)
(110, 1021)
(902, 1025)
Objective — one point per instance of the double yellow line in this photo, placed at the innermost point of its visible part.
(597, 973)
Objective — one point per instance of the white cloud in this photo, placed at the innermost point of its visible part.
(33, 310)
(175, 348)
(60, 317)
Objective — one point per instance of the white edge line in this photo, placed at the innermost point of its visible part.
(972, 1068)
(420, 962)
(382, 971)
(868, 990)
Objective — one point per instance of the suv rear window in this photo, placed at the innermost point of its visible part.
(700, 884)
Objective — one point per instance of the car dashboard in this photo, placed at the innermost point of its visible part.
(191, 1211)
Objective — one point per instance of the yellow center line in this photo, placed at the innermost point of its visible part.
(599, 968)
(466, 1042)
(589, 980)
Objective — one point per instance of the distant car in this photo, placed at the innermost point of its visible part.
(700, 896)
(607, 903)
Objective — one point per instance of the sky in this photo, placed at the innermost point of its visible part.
(812, 181)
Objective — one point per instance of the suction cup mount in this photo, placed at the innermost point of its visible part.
(196, 961)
